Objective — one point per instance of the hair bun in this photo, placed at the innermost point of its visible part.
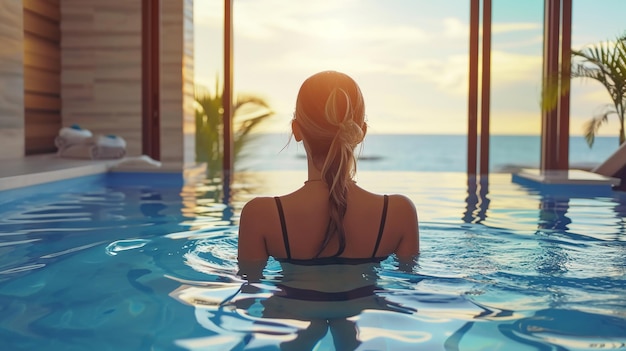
(350, 132)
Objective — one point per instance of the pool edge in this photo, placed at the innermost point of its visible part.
(47, 168)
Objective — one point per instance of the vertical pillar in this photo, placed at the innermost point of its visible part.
(472, 106)
(564, 87)
(550, 82)
(177, 111)
(12, 97)
(475, 149)
(486, 90)
(150, 52)
(556, 71)
(227, 96)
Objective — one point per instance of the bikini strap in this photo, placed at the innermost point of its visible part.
(383, 218)
(283, 225)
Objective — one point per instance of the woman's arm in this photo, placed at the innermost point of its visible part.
(407, 223)
(252, 250)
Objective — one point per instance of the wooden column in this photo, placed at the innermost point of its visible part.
(556, 73)
(42, 75)
(486, 90)
(150, 82)
(227, 96)
(564, 87)
(472, 105)
(474, 148)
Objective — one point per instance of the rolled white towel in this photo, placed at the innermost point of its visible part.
(82, 151)
(110, 141)
(72, 135)
(108, 147)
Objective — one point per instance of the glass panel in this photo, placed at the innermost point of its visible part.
(409, 57)
(516, 66)
(593, 22)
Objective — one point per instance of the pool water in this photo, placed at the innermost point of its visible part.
(148, 262)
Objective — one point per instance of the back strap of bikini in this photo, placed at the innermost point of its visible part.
(383, 218)
(283, 225)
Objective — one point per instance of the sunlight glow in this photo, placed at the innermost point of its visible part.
(410, 57)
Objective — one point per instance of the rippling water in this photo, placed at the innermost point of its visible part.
(129, 262)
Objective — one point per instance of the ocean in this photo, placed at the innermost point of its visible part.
(423, 153)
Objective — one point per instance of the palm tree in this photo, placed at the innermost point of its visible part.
(604, 62)
(248, 113)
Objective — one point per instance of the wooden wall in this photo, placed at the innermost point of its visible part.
(42, 67)
(11, 80)
(65, 62)
(177, 83)
(101, 67)
(101, 71)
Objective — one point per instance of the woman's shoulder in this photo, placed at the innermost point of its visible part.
(400, 200)
(401, 206)
(259, 206)
(396, 200)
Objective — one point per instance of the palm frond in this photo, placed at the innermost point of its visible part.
(591, 127)
(248, 113)
(604, 62)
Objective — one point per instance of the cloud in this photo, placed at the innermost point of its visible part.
(499, 28)
(331, 28)
(594, 93)
(271, 18)
(450, 74)
(456, 28)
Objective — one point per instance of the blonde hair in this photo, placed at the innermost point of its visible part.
(331, 114)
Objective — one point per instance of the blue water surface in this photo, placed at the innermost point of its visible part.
(148, 262)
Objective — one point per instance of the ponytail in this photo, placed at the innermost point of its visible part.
(333, 127)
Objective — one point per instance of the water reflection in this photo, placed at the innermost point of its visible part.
(477, 202)
(218, 202)
(553, 212)
(237, 313)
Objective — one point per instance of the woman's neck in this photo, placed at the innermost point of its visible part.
(313, 172)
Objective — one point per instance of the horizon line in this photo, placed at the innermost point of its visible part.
(446, 134)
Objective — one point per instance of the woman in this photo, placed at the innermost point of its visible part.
(330, 233)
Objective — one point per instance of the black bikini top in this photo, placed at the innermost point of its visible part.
(332, 259)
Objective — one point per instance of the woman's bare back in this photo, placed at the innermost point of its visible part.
(306, 219)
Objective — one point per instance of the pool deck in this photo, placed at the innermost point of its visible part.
(572, 180)
(38, 169)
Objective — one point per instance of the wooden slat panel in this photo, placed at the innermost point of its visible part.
(42, 62)
(101, 67)
(42, 117)
(41, 102)
(45, 130)
(41, 27)
(36, 45)
(40, 146)
(42, 81)
(37, 81)
(43, 8)
(41, 132)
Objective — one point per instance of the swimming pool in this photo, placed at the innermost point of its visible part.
(138, 262)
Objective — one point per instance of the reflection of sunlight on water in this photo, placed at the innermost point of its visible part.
(218, 308)
(439, 197)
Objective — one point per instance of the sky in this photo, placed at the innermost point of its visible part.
(410, 58)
